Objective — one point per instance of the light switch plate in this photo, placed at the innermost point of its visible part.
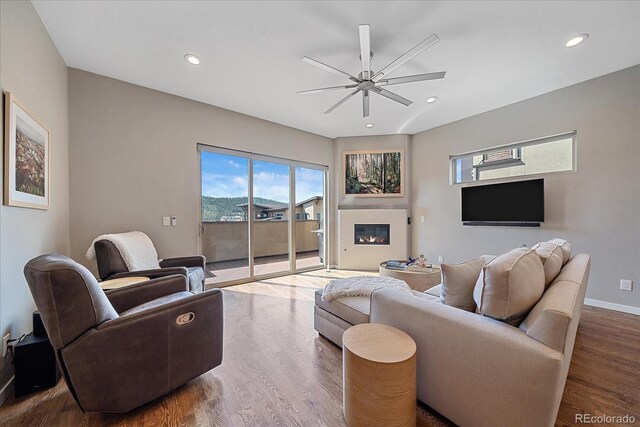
(166, 221)
(174, 221)
(626, 285)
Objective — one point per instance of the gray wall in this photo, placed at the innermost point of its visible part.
(597, 207)
(32, 69)
(366, 143)
(133, 159)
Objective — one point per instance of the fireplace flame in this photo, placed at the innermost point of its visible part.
(372, 239)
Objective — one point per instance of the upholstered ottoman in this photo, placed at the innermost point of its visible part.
(332, 318)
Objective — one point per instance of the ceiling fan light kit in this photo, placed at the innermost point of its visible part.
(369, 82)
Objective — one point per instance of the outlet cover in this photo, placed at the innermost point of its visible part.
(166, 221)
(440, 259)
(626, 285)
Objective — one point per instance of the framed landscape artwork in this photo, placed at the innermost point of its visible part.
(373, 173)
(26, 158)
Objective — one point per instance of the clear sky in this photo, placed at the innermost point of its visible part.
(226, 176)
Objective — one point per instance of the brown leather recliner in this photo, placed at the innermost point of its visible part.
(120, 350)
(112, 266)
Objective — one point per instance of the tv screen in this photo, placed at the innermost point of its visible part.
(520, 201)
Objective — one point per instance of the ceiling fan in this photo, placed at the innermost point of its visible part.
(368, 81)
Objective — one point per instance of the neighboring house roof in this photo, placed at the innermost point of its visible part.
(310, 199)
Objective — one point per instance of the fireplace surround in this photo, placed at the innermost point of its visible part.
(354, 223)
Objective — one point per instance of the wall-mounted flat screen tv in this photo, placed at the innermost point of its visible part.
(519, 203)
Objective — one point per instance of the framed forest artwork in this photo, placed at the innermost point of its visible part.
(26, 158)
(373, 173)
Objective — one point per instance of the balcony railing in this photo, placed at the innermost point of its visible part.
(228, 240)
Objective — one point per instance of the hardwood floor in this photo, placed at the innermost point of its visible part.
(278, 371)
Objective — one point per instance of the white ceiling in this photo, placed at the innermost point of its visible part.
(495, 53)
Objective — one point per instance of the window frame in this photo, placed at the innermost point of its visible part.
(252, 157)
(514, 146)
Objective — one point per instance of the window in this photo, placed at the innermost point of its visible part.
(247, 210)
(543, 155)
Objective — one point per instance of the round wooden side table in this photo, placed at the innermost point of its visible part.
(379, 376)
(419, 279)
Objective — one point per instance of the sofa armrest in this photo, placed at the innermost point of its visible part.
(472, 369)
(131, 296)
(153, 273)
(128, 361)
(187, 261)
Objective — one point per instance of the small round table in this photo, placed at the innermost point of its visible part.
(122, 282)
(419, 279)
(379, 376)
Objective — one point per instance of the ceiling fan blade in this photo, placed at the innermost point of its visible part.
(325, 89)
(342, 101)
(365, 103)
(412, 53)
(329, 68)
(365, 51)
(409, 79)
(392, 96)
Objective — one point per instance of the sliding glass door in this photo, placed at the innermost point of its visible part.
(260, 216)
(224, 228)
(271, 223)
(309, 217)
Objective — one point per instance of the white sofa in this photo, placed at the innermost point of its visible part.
(472, 369)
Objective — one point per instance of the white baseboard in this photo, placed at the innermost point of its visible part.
(612, 306)
(6, 391)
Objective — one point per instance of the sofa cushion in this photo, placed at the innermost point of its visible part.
(549, 319)
(458, 282)
(551, 256)
(565, 246)
(354, 310)
(435, 291)
(429, 296)
(510, 285)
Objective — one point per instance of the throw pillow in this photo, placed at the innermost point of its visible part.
(510, 285)
(565, 246)
(551, 256)
(458, 281)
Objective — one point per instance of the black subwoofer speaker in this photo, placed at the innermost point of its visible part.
(38, 326)
(35, 365)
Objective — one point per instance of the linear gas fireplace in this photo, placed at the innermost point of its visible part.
(371, 234)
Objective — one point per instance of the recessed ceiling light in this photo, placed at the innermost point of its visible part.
(432, 99)
(576, 40)
(369, 125)
(192, 59)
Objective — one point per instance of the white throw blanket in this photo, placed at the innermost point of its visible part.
(136, 248)
(361, 286)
